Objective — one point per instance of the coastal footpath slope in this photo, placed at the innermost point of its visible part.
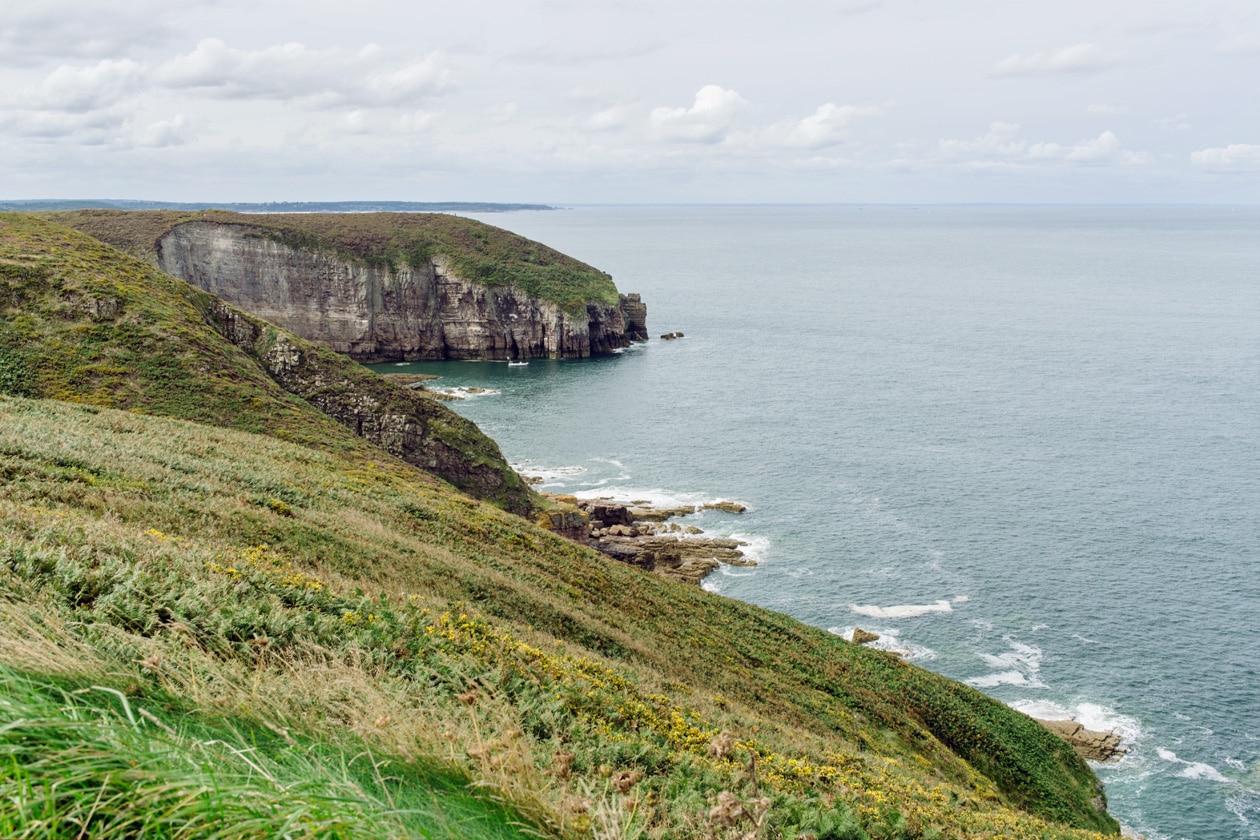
(247, 565)
(386, 286)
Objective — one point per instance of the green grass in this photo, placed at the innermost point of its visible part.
(478, 252)
(245, 565)
(367, 595)
(84, 760)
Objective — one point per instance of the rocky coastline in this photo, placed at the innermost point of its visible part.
(642, 535)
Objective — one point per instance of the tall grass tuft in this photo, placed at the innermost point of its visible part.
(93, 762)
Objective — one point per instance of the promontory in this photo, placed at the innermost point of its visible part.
(383, 287)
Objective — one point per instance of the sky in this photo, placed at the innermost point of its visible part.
(650, 101)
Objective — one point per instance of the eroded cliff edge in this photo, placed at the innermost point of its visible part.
(390, 310)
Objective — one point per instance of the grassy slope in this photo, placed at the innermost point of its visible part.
(85, 323)
(107, 762)
(478, 252)
(303, 584)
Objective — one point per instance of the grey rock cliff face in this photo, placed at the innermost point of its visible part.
(383, 314)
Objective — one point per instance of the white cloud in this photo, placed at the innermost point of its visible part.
(827, 126)
(355, 122)
(32, 33)
(1174, 123)
(708, 120)
(999, 142)
(172, 132)
(609, 119)
(80, 89)
(1236, 157)
(89, 128)
(294, 72)
(1002, 146)
(416, 80)
(1105, 148)
(1078, 58)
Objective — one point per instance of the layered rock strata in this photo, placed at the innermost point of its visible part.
(380, 313)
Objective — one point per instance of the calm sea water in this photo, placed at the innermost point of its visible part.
(1021, 443)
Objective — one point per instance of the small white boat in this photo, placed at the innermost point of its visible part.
(517, 364)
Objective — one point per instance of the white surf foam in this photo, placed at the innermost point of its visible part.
(756, 547)
(466, 392)
(901, 610)
(550, 476)
(1018, 666)
(651, 496)
(891, 641)
(735, 571)
(1092, 716)
(613, 461)
(1005, 678)
(1192, 769)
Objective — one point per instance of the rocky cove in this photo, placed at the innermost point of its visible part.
(385, 310)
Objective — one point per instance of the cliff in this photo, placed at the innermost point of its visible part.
(96, 326)
(388, 287)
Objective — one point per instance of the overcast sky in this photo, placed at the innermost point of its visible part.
(637, 101)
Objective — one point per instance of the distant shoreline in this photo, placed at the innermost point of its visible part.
(274, 206)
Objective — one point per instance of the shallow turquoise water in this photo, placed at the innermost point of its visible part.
(1021, 443)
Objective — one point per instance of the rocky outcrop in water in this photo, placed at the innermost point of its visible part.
(381, 312)
(642, 535)
(1088, 743)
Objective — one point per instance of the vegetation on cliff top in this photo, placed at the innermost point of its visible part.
(85, 323)
(267, 611)
(476, 251)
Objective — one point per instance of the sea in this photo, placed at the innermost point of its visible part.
(1021, 443)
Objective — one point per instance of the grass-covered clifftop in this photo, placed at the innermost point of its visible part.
(476, 251)
(85, 323)
(277, 611)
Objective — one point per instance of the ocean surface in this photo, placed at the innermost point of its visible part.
(1021, 443)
